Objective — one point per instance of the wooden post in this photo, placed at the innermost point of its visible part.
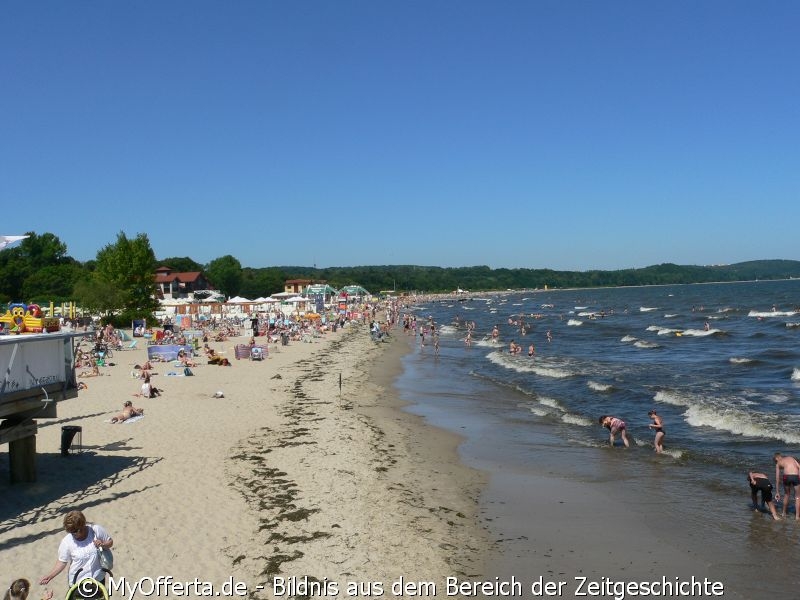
(21, 438)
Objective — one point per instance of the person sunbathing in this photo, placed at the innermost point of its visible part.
(220, 361)
(94, 372)
(128, 411)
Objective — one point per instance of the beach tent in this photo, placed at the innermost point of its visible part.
(355, 291)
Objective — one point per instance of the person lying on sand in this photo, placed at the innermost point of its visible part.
(218, 360)
(94, 372)
(128, 411)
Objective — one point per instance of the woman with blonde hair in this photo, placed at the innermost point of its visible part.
(79, 549)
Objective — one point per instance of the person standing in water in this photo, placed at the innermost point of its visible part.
(658, 425)
(791, 479)
(615, 426)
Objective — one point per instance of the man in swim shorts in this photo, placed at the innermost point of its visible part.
(615, 425)
(791, 479)
(760, 482)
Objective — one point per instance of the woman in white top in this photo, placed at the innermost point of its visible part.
(79, 549)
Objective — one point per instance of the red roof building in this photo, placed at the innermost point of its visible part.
(179, 285)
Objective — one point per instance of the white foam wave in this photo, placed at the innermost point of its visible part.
(666, 331)
(538, 411)
(551, 402)
(673, 398)
(793, 325)
(600, 387)
(447, 330)
(740, 423)
(524, 364)
(574, 323)
(576, 420)
(628, 338)
(646, 345)
(740, 360)
(486, 343)
(581, 307)
(796, 374)
(670, 316)
(647, 309)
(673, 452)
(771, 313)
(701, 332)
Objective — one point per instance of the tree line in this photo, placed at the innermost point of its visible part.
(119, 282)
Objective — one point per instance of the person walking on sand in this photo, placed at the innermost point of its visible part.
(760, 482)
(791, 479)
(658, 425)
(614, 426)
(78, 549)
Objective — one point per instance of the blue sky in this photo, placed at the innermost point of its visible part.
(539, 134)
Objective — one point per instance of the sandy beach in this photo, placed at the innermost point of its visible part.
(284, 477)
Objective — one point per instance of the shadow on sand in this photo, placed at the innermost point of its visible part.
(84, 480)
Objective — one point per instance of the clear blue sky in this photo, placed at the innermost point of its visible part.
(540, 134)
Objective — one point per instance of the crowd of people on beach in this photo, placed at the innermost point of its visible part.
(84, 551)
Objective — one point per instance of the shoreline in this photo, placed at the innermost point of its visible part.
(281, 477)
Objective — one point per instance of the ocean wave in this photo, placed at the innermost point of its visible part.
(646, 345)
(674, 398)
(574, 323)
(670, 316)
(771, 313)
(551, 402)
(664, 330)
(647, 309)
(448, 330)
(796, 374)
(791, 325)
(628, 339)
(736, 360)
(526, 365)
(738, 422)
(600, 387)
(701, 332)
(486, 343)
(573, 419)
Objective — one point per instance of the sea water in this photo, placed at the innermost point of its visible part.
(719, 362)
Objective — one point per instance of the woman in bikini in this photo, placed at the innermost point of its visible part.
(658, 425)
(128, 411)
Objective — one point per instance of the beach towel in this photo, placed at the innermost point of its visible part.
(133, 419)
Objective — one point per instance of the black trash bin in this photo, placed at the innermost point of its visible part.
(69, 443)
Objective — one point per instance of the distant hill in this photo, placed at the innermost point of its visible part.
(482, 278)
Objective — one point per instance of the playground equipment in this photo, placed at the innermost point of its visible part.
(28, 318)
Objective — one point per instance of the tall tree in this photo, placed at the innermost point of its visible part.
(130, 266)
(225, 273)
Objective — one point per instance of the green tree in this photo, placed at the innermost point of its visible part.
(99, 296)
(52, 283)
(180, 264)
(225, 273)
(130, 266)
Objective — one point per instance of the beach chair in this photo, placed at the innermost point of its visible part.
(256, 353)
